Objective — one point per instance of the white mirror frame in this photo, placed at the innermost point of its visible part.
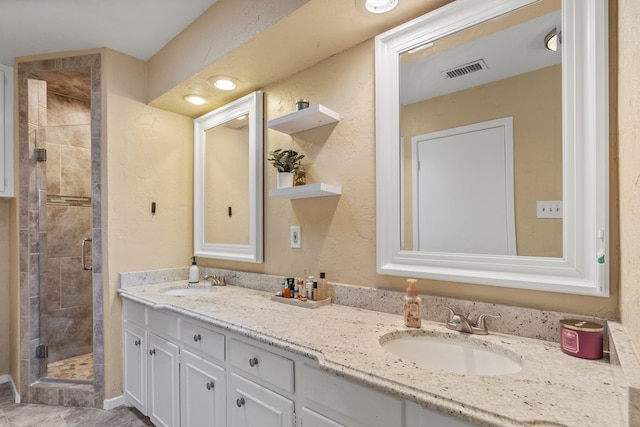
(252, 105)
(585, 82)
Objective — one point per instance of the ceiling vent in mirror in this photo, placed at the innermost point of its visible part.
(463, 70)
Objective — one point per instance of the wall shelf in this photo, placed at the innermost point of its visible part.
(308, 118)
(306, 191)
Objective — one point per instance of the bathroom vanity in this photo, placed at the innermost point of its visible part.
(234, 357)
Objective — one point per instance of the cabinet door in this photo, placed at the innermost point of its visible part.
(252, 405)
(311, 418)
(163, 387)
(202, 392)
(135, 366)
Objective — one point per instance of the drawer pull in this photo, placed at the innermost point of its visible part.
(240, 402)
(210, 385)
(137, 342)
(253, 361)
(197, 337)
(152, 352)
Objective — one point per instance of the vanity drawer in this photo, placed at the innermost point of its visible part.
(162, 323)
(133, 312)
(197, 337)
(265, 365)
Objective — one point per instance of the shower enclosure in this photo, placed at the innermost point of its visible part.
(60, 181)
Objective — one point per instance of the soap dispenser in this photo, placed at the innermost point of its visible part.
(412, 305)
(194, 272)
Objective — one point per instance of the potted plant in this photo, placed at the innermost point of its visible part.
(287, 163)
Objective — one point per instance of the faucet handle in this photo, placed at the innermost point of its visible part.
(481, 324)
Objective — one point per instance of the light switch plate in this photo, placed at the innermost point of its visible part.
(295, 237)
(549, 209)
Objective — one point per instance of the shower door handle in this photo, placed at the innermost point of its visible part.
(84, 261)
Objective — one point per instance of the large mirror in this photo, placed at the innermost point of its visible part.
(496, 113)
(228, 181)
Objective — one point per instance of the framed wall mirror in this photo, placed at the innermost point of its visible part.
(228, 182)
(492, 145)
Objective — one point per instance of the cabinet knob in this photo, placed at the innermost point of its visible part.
(240, 402)
(197, 337)
(210, 385)
(253, 361)
(137, 342)
(152, 352)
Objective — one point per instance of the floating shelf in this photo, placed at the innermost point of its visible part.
(306, 191)
(308, 118)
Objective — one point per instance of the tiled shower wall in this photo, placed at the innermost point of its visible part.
(66, 317)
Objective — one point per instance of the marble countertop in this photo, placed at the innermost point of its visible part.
(552, 389)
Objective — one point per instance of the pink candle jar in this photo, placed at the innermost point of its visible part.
(581, 338)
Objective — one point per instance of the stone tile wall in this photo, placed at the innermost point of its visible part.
(66, 315)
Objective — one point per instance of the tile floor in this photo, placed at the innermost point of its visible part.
(29, 415)
(73, 368)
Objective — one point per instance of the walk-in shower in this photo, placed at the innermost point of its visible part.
(60, 221)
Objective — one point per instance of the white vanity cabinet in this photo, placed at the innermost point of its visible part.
(331, 401)
(182, 372)
(134, 383)
(163, 386)
(202, 392)
(260, 385)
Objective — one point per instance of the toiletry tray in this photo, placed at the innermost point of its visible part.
(298, 303)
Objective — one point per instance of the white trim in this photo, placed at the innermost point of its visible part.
(585, 155)
(7, 186)
(252, 105)
(14, 390)
(4, 379)
(114, 402)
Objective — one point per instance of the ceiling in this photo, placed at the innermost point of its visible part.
(136, 27)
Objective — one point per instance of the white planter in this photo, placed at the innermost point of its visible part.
(285, 179)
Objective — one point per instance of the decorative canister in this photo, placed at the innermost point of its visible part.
(581, 338)
(301, 104)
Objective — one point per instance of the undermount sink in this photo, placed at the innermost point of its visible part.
(188, 290)
(449, 354)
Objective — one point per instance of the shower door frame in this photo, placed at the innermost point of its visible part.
(33, 265)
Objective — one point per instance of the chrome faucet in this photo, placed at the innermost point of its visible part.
(460, 323)
(216, 280)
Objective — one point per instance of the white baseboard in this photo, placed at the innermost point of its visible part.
(4, 378)
(14, 390)
(114, 402)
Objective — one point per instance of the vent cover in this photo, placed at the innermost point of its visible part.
(463, 70)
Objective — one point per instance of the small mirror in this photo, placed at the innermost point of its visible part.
(228, 181)
(492, 145)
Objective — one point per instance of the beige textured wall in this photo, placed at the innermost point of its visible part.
(629, 158)
(534, 100)
(227, 185)
(147, 156)
(338, 233)
(5, 355)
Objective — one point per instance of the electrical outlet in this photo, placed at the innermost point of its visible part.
(549, 209)
(295, 237)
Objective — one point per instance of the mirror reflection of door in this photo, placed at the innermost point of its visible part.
(463, 183)
(499, 68)
(226, 216)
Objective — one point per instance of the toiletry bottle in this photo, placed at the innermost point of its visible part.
(309, 287)
(314, 293)
(412, 305)
(194, 272)
(322, 287)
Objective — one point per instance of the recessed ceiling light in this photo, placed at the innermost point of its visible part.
(222, 82)
(195, 99)
(380, 6)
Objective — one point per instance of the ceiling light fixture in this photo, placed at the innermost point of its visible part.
(195, 99)
(222, 82)
(380, 6)
(552, 40)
